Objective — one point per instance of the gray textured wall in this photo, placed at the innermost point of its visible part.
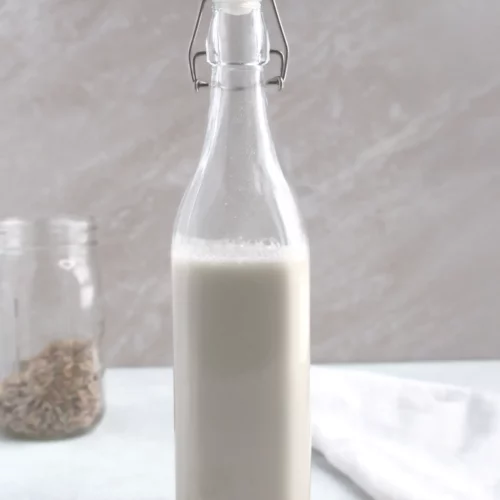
(389, 128)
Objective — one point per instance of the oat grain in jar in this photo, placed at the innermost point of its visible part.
(51, 326)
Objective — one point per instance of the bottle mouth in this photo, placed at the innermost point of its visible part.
(237, 7)
(45, 232)
(237, 40)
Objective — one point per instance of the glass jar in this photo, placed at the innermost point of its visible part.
(51, 326)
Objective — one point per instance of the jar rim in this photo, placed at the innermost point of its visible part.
(66, 220)
(60, 230)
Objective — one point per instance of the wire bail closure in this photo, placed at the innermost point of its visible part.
(279, 80)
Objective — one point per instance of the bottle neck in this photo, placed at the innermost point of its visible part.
(238, 127)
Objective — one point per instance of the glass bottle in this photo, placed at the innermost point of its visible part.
(240, 271)
(51, 325)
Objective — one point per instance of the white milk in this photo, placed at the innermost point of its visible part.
(241, 347)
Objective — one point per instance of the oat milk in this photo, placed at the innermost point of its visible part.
(241, 347)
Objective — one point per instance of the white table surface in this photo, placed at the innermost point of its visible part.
(130, 455)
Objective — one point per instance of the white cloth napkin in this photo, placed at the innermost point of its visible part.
(400, 439)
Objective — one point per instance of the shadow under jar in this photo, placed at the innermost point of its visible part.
(51, 326)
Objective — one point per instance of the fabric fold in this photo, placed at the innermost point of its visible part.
(400, 439)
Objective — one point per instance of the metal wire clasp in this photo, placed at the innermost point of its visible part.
(283, 56)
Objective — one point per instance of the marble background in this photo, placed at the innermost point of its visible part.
(389, 128)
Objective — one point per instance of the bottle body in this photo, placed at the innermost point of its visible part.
(240, 277)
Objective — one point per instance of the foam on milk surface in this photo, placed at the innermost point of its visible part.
(230, 250)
